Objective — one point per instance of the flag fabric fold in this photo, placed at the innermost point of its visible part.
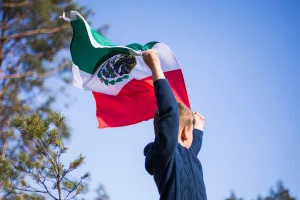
(120, 80)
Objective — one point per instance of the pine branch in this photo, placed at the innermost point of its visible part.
(46, 153)
(15, 67)
(3, 24)
(12, 5)
(40, 183)
(48, 192)
(44, 177)
(28, 190)
(34, 32)
(11, 47)
(5, 143)
(3, 87)
(73, 190)
(9, 26)
(4, 148)
(32, 73)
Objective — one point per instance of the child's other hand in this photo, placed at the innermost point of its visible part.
(199, 121)
(151, 59)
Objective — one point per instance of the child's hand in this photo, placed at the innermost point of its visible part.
(151, 59)
(199, 121)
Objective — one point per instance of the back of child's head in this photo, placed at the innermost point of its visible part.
(186, 117)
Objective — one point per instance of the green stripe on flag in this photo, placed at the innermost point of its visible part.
(84, 54)
(87, 57)
(137, 46)
(100, 39)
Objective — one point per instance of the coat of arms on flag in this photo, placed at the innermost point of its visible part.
(116, 69)
(120, 80)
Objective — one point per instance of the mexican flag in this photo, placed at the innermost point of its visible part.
(118, 77)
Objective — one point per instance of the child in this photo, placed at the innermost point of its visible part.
(172, 157)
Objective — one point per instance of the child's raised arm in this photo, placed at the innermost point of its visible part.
(151, 59)
(197, 133)
(166, 139)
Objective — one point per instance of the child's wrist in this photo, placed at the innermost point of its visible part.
(155, 68)
(157, 73)
(198, 128)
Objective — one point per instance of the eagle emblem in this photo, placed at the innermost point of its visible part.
(116, 69)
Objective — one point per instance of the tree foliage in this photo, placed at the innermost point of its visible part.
(32, 41)
(101, 193)
(279, 193)
(47, 175)
(233, 196)
(31, 38)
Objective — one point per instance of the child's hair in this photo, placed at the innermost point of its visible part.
(186, 117)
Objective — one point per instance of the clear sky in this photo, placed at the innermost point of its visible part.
(241, 63)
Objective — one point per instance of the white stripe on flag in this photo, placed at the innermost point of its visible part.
(75, 15)
(87, 81)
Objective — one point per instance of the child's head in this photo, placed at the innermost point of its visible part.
(186, 118)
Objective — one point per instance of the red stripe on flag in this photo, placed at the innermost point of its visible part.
(128, 108)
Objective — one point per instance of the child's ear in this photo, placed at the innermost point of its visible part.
(184, 133)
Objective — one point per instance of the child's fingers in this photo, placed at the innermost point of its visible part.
(199, 115)
(152, 50)
(146, 52)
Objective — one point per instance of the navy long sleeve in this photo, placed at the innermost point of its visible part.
(176, 170)
(168, 124)
(197, 141)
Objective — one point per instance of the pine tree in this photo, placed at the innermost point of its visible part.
(47, 175)
(101, 193)
(31, 39)
(233, 196)
(32, 42)
(280, 193)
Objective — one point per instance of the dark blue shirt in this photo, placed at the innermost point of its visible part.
(176, 170)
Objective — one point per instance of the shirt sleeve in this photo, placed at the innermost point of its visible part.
(166, 139)
(197, 141)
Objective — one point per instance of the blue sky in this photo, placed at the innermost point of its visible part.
(241, 63)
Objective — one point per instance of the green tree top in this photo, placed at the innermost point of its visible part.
(279, 193)
(48, 176)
